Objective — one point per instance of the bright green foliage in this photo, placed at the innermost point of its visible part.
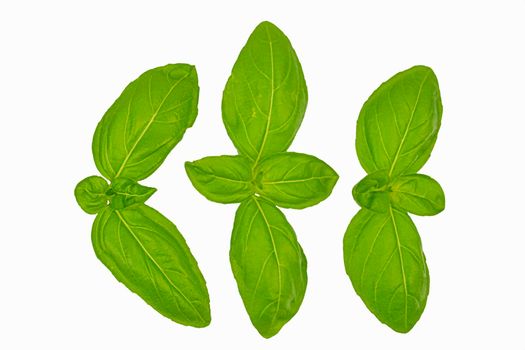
(263, 105)
(417, 194)
(90, 194)
(265, 97)
(125, 192)
(385, 261)
(396, 131)
(147, 253)
(146, 122)
(398, 125)
(268, 263)
(223, 179)
(294, 180)
(142, 248)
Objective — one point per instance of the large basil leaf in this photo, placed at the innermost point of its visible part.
(268, 264)
(294, 180)
(146, 122)
(265, 97)
(418, 194)
(223, 179)
(385, 262)
(398, 125)
(90, 194)
(146, 252)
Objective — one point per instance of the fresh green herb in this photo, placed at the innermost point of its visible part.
(142, 248)
(396, 131)
(263, 106)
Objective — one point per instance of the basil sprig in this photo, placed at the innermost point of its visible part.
(263, 106)
(396, 132)
(143, 249)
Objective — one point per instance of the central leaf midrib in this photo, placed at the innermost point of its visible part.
(270, 108)
(401, 263)
(156, 264)
(297, 180)
(275, 253)
(152, 119)
(401, 143)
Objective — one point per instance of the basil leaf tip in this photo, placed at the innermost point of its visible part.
(142, 248)
(396, 132)
(263, 105)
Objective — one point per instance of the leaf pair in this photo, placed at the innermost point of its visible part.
(396, 132)
(263, 106)
(143, 249)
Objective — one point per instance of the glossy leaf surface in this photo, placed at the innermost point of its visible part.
(385, 262)
(146, 252)
(265, 97)
(268, 264)
(90, 194)
(294, 180)
(418, 194)
(398, 125)
(223, 179)
(146, 122)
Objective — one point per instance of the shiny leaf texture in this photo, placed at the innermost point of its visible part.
(223, 179)
(418, 194)
(398, 125)
(90, 194)
(146, 122)
(268, 264)
(294, 180)
(265, 97)
(385, 262)
(146, 252)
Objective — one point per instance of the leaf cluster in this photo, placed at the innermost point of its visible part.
(396, 132)
(262, 108)
(143, 249)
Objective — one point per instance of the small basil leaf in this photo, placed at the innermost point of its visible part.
(398, 125)
(265, 97)
(125, 192)
(223, 179)
(294, 180)
(385, 262)
(146, 252)
(417, 194)
(146, 122)
(268, 264)
(370, 192)
(90, 194)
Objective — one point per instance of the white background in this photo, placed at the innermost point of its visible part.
(63, 63)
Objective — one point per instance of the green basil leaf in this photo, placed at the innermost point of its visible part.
(398, 125)
(385, 262)
(265, 97)
(125, 192)
(223, 179)
(371, 192)
(90, 194)
(417, 194)
(268, 264)
(146, 122)
(294, 180)
(146, 252)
